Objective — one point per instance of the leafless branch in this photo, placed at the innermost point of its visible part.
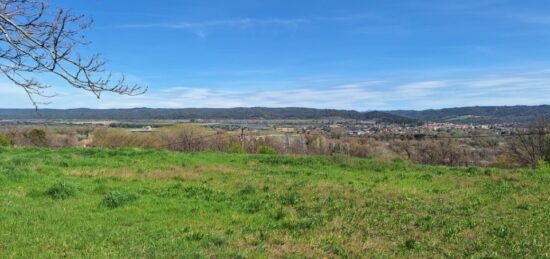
(35, 39)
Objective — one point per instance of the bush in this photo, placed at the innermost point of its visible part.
(117, 199)
(4, 141)
(235, 147)
(114, 138)
(543, 166)
(61, 191)
(266, 150)
(37, 137)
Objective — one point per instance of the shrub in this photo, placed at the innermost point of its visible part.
(186, 138)
(4, 141)
(37, 137)
(266, 150)
(543, 166)
(61, 191)
(235, 147)
(113, 138)
(117, 199)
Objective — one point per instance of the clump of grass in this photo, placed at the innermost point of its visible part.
(61, 191)
(410, 244)
(279, 214)
(253, 206)
(247, 190)
(208, 238)
(217, 240)
(289, 198)
(118, 199)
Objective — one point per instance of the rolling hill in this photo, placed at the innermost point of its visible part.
(198, 113)
(479, 114)
(475, 115)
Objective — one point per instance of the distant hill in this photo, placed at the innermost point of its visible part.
(198, 113)
(479, 114)
(475, 115)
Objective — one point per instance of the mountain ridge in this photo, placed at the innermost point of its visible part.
(239, 113)
(472, 114)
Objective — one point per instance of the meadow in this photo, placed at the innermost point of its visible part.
(147, 203)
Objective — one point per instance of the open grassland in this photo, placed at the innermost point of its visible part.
(141, 203)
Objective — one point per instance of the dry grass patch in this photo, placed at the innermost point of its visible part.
(377, 244)
(293, 249)
(185, 173)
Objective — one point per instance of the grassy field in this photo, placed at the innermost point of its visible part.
(139, 203)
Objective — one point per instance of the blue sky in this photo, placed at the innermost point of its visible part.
(363, 55)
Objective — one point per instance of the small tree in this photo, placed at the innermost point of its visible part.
(531, 144)
(37, 137)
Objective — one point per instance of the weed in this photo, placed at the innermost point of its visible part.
(61, 191)
(117, 199)
(279, 214)
(247, 190)
(410, 244)
(289, 198)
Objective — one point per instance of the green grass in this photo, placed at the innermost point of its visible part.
(140, 203)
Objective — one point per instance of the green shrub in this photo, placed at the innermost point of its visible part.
(235, 147)
(117, 199)
(266, 150)
(61, 191)
(543, 166)
(4, 141)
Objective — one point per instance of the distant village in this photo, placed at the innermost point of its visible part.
(342, 127)
(358, 128)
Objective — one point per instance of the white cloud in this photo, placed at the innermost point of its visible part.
(522, 88)
(487, 83)
(241, 23)
(201, 28)
(420, 89)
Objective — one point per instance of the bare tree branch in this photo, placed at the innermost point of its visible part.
(530, 144)
(35, 39)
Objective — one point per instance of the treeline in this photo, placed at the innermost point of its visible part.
(527, 149)
(480, 114)
(199, 113)
(476, 115)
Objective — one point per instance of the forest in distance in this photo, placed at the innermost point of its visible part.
(475, 115)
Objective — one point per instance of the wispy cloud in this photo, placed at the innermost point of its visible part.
(201, 28)
(533, 18)
(420, 89)
(236, 23)
(489, 83)
(522, 88)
